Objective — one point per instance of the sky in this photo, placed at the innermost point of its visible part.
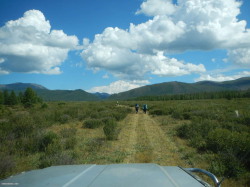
(113, 46)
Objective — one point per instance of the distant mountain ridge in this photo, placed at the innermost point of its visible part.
(52, 95)
(150, 90)
(67, 95)
(102, 95)
(181, 88)
(21, 86)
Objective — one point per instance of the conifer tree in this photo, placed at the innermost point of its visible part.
(20, 97)
(6, 97)
(13, 98)
(1, 98)
(28, 96)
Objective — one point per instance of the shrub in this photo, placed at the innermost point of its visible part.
(198, 142)
(6, 126)
(106, 119)
(110, 129)
(32, 144)
(182, 131)
(70, 142)
(186, 115)
(47, 139)
(101, 109)
(64, 119)
(53, 155)
(64, 159)
(156, 112)
(94, 115)
(55, 147)
(28, 105)
(2, 110)
(94, 144)
(6, 165)
(218, 139)
(44, 105)
(68, 132)
(23, 124)
(119, 116)
(177, 114)
(227, 163)
(92, 123)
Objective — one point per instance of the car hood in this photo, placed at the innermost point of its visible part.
(113, 175)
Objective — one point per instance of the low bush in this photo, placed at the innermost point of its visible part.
(156, 112)
(94, 115)
(119, 115)
(47, 138)
(106, 119)
(23, 124)
(177, 114)
(28, 105)
(70, 142)
(92, 123)
(110, 129)
(94, 144)
(223, 139)
(61, 158)
(186, 115)
(68, 132)
(227, 163)
(44, 105)
(64, 119)
(7, 164)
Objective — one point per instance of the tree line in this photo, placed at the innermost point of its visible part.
(196, 96)
(28, 98)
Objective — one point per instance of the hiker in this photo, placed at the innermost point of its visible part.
(136, 108)
(144, 108)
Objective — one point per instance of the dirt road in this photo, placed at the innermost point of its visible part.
(145, 141)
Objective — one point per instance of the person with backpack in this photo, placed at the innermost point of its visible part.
(136, 108)
(144, 108)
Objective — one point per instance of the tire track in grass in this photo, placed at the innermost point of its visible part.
(143, 145)
(144, 141)
(164, 152)
(129, 137)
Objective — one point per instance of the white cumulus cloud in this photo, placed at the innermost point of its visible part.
(225, 60)
(157, 7)
(221, 77)
(105, 76)
(115, 87)
(190, 25)
(240, 56)
(28, 46)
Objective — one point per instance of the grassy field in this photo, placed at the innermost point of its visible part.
(205, 134)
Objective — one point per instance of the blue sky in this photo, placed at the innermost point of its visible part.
(113, 46)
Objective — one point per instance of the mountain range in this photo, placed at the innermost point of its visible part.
(52, 95)
(181, 88)
(155, 89)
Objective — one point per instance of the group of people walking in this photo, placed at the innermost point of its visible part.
(144, 108)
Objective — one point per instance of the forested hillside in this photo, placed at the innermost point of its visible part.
(168, 88)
